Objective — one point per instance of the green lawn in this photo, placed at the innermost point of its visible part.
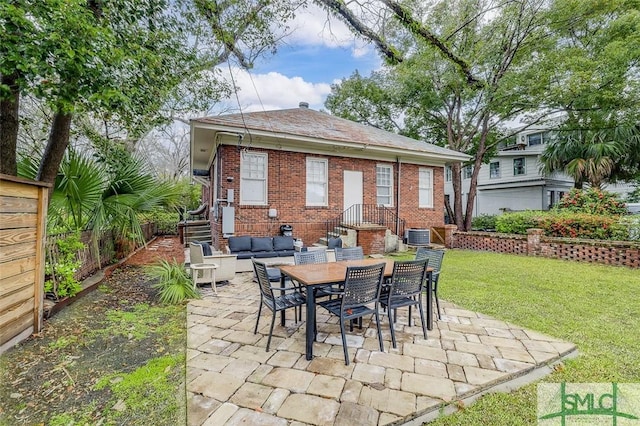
(596, 307)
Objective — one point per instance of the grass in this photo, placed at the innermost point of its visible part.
(596, 307)
(148, 394)
(114, 357)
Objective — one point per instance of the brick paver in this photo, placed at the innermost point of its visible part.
(231, 379)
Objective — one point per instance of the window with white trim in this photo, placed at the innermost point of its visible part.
(494, 170)
(448, 174)
(384, 185)
(519, 166)
(425, 187)
(541, 138)
(317, 181)
(467, 171)
(253, 178)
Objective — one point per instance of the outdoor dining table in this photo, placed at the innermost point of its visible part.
(317, 275)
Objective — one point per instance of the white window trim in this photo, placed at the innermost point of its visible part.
(326, 182)
(265, 180)
(448, 174)
(464, 172)
(499, 170)
(524, 166)
(390, 168)
(429, 204)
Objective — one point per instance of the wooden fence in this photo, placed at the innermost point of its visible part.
(23, 208)
(99, 252)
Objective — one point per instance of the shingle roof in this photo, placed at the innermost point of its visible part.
(309, 123)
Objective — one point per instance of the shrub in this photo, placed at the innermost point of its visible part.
(592, 201)
(166, 221)
(174, 285)
(583, 225)
(484, 222)
(61, 270)
(569, 225)
(518, 222)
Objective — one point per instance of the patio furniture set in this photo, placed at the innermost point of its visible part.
(350, 288)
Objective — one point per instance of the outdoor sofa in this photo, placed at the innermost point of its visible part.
(270, 250)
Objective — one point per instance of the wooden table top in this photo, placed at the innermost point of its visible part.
(330, 272)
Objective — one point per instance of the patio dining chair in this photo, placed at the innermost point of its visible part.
(310, 256)
(435, 261)
(405, 290)
(289, 297)
(359, 297)
(313, 257)
(349, 253)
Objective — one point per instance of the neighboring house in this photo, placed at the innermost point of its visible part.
(303, 168)
(512, 180)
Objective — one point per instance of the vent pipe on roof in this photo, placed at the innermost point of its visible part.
(303, 104)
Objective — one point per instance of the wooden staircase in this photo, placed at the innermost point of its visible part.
(197, 230)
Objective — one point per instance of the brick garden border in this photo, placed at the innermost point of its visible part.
(618, 253)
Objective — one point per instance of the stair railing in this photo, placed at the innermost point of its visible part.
(360, 214)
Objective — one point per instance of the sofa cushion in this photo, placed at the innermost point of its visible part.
(261, 244)
(334, 242)
(244, 254)
(284, 253)
(206, 248)
(238, 244)
(264, 254)
(283, 243)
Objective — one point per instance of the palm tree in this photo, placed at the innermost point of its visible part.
(130, 191)
(91, 194)
(593, 156)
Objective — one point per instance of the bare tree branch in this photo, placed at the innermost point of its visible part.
(340, 9)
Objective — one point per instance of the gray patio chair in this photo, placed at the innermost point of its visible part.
(313, 256)
(289, 297)
(405, 289)
(435, 261)
(361, 290)
(349, 253)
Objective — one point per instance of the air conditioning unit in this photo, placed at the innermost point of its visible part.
(418, 237)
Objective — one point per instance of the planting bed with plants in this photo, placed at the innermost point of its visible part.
(115, 356)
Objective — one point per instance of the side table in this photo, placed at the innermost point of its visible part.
(204, 273)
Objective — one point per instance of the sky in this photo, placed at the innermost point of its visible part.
(315, 55)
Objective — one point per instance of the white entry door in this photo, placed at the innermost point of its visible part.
(352, 190)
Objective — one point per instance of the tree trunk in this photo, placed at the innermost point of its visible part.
(456, 180)
(449, 210)
(471, 197)
(9, 123)
(56, 146)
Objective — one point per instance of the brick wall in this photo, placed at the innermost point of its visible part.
(287, 194)
(371, 239)
(619, 253)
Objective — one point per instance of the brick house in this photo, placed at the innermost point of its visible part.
(304, 168)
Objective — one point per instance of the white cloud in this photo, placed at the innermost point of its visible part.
(274, 91)
(313, 30)
(312, 26)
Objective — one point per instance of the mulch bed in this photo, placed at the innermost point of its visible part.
(54, 372)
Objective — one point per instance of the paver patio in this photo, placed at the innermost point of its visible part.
(231, 380)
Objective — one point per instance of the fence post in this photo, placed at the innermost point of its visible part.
(533, 241)
(449, 239)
